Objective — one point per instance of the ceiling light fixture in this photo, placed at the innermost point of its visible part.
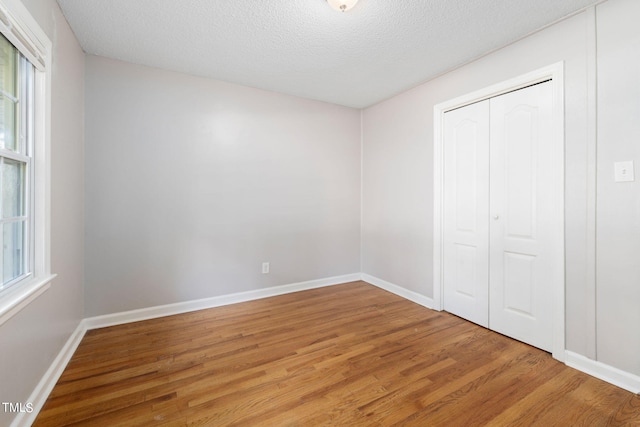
(342, 5)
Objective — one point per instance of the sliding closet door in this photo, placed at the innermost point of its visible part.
(521, 215)
(466, 210)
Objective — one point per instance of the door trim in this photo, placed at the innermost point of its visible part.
(555, 72)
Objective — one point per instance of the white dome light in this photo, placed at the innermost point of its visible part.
(342, 5)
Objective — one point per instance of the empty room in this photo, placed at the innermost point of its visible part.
(319, 212)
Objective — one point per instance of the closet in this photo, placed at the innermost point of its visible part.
(498, 218)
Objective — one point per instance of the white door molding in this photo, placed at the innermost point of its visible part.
(555, 73)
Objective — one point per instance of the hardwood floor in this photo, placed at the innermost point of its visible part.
(343, 355)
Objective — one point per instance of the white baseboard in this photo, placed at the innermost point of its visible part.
(187, 306)
(398, 290)
(48, 381)
(604, 372)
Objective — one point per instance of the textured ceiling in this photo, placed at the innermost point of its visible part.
(304, 47)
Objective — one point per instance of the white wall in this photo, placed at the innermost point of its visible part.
(398, 165)
(398, 154)
(192, 183)
(398, 177)
(32, 339)
(618, 203)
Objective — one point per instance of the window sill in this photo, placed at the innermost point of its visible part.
(18, 298)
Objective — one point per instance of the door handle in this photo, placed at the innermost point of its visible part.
(496, 217)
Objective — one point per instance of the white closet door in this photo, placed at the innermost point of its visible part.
(521, 215)
(466, 210)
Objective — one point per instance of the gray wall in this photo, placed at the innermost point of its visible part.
(32, 339)
(192, 183)
(397, 223)
(618, 215)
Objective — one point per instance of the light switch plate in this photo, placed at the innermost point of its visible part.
(623, 171)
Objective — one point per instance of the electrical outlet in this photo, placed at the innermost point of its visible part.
(265, 268)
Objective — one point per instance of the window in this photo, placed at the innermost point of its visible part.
(16, 150)
(25, 105)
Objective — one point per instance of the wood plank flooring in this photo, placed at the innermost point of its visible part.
(343, 355)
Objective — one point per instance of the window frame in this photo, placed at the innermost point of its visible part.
(22, 154)
(21, 29)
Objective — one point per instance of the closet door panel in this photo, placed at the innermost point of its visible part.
(521, 216)
(466, 209)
